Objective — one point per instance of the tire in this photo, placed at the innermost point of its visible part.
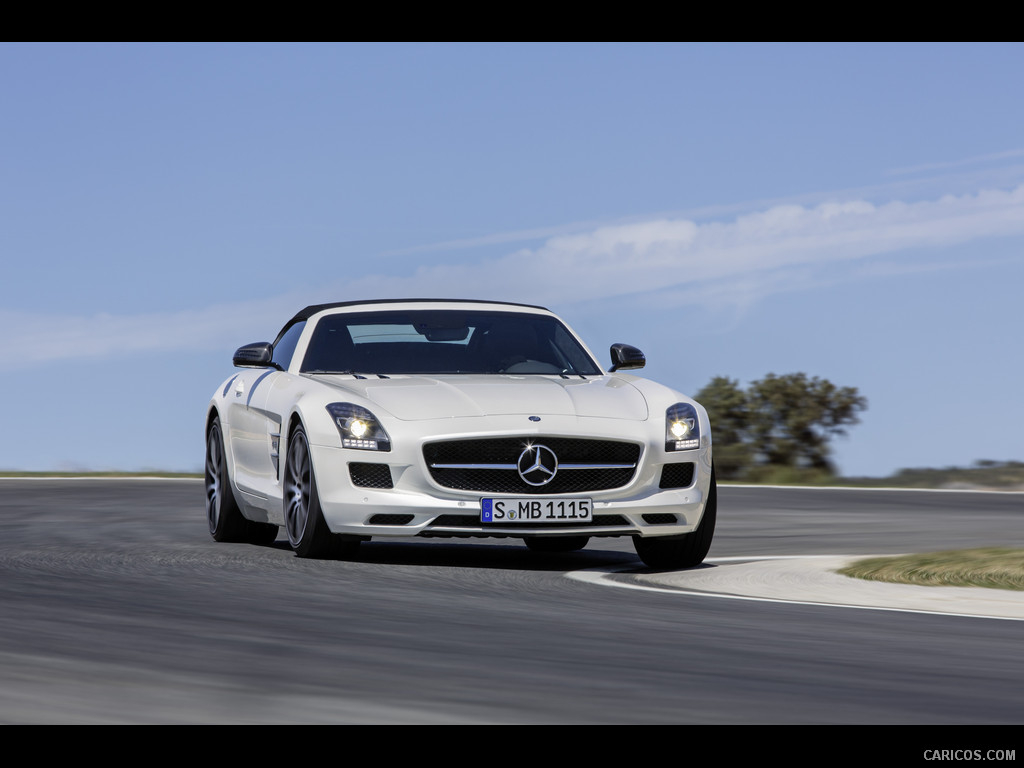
(308, 533)
(225, 518)
(688, 550)
(222, 512)
(261, 533)
(557, 544)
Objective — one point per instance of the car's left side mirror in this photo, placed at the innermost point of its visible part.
(258, 355)
(626, 356)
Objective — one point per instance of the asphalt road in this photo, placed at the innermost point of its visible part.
(117, 607)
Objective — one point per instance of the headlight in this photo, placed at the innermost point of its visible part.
(359, 428)
(682, 428)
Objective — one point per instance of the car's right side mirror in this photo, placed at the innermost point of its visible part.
(258, 355)
(625, 356)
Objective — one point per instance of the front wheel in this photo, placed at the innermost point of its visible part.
(223, 514)
(688, 550)
(308, 533)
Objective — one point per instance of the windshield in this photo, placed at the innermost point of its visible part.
(445, 341)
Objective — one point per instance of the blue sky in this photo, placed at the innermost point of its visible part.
(854, 212)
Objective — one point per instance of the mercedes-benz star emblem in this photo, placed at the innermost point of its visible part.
(537, 465)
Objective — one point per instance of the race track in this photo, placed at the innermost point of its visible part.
(117, 607)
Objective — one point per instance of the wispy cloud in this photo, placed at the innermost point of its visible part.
(665, 253)
(919, 182)
(36, 338)
(1009, 154)
(745, 258)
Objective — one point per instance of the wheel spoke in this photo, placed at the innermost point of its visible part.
(297, 488)
(224, 516)
(213, 466)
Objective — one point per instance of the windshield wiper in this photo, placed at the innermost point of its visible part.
(323, 372)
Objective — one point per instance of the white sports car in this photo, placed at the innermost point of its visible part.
(436, 418)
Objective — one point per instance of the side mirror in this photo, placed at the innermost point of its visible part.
(626, 356)
(258, 355)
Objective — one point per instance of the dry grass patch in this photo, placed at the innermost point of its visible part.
(992, 567)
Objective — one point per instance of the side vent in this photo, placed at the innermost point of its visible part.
(367, 475)
(677, 475)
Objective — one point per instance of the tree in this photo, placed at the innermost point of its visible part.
(780, 421)
(726, 404)
(792, 418)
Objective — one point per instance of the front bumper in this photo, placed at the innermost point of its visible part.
(417, 506)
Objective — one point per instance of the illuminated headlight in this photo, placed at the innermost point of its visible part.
(359, 428)
(682, 428)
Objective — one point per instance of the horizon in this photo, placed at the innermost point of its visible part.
(854, 212)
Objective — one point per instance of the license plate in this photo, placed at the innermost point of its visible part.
(531, 509)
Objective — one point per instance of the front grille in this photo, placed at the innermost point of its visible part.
(468, 521)
(489, 465)
(370, 475)
(677, 475)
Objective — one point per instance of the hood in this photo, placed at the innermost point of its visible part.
(415, 398)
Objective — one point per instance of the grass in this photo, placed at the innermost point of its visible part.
(992, 567)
